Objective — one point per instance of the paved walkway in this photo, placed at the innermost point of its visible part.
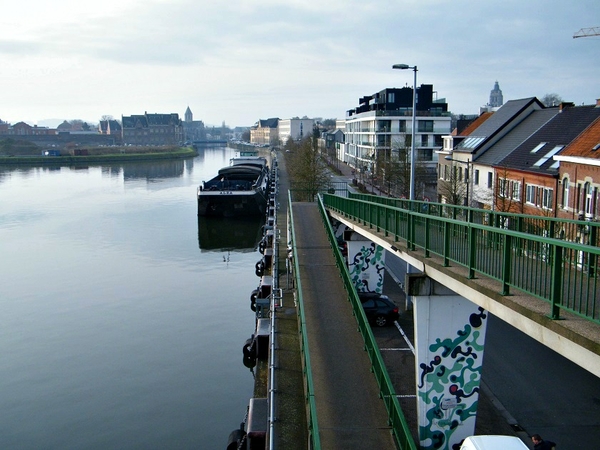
(349, 411)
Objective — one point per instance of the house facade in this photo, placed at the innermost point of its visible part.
(512, 161)
(152, 129)
(265, 132)
(24, 129)
(579, 176)
(110, 127)
(529, 175)
(467, 162)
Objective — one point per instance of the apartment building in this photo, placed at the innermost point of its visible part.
(380, 127)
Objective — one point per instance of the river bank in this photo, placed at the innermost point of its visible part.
(109, 156)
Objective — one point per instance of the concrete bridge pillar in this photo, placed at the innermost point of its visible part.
(366, 260)
(449, 344)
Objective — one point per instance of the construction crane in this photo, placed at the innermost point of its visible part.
(587, 32)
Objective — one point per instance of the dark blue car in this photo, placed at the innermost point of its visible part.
(379, 309)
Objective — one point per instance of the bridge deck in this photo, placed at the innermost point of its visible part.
(345, 387)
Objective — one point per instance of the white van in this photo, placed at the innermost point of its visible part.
(493, 442)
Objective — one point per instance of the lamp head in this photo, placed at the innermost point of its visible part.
(400, 66)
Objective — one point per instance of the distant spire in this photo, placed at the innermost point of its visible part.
(496, 98)
(189, 117)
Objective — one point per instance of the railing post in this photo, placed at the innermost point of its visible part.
(592, 258)
(507, 263)
(410, 241)
(557, 282)
(387, 222)
(427, 233)
(472, 251)
(446, 243)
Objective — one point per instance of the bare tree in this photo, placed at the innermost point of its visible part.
(400, 156)
(307, 168)
(451, 187)
(551, 100)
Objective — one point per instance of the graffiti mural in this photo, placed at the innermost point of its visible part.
(366, 264)
(448, 385)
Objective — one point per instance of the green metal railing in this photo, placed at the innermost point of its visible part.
(309, 390)
(535, 255)
(307, 192)
(580, 231)
(398, 424)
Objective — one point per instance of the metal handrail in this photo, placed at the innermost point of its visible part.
(387, 392)
(564, 273)
(568, 229)
(309, 389)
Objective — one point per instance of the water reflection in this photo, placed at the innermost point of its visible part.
(144, 170)
(115, 332)
(241, 234)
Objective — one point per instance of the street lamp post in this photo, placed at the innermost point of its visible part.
(468, 178)
(414, 117)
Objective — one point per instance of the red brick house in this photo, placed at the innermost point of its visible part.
(579, 176)
(529, 175)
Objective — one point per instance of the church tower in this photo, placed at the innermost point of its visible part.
(189, 117)
(496, 99)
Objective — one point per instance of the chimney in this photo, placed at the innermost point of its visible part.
(597, 102)
(565, 105)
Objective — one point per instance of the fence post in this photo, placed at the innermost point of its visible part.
(472, 251)
(507, 263)
(557, 278)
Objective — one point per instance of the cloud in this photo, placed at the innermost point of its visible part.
(245, 59)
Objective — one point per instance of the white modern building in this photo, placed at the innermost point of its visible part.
(295, 128)
(381, 125)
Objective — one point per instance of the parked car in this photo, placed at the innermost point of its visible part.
(493, 442)
(379, 309)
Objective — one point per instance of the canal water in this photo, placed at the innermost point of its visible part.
(122, 316)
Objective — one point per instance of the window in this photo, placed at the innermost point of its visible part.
(547, 198)
(565, 198)
(530, 194)
(502, 187)
(538, 147)
(425, 154)
(539, 196)
(490, 181)
(425, 126)
(548, 155)
(515, 190)
(391, 97)
(424, 140)
(476, 177)
(384, 126)
(402, 126)
(587, 191)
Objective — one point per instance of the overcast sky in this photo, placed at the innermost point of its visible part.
(238, 61)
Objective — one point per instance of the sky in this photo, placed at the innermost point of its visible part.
(239, 61)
